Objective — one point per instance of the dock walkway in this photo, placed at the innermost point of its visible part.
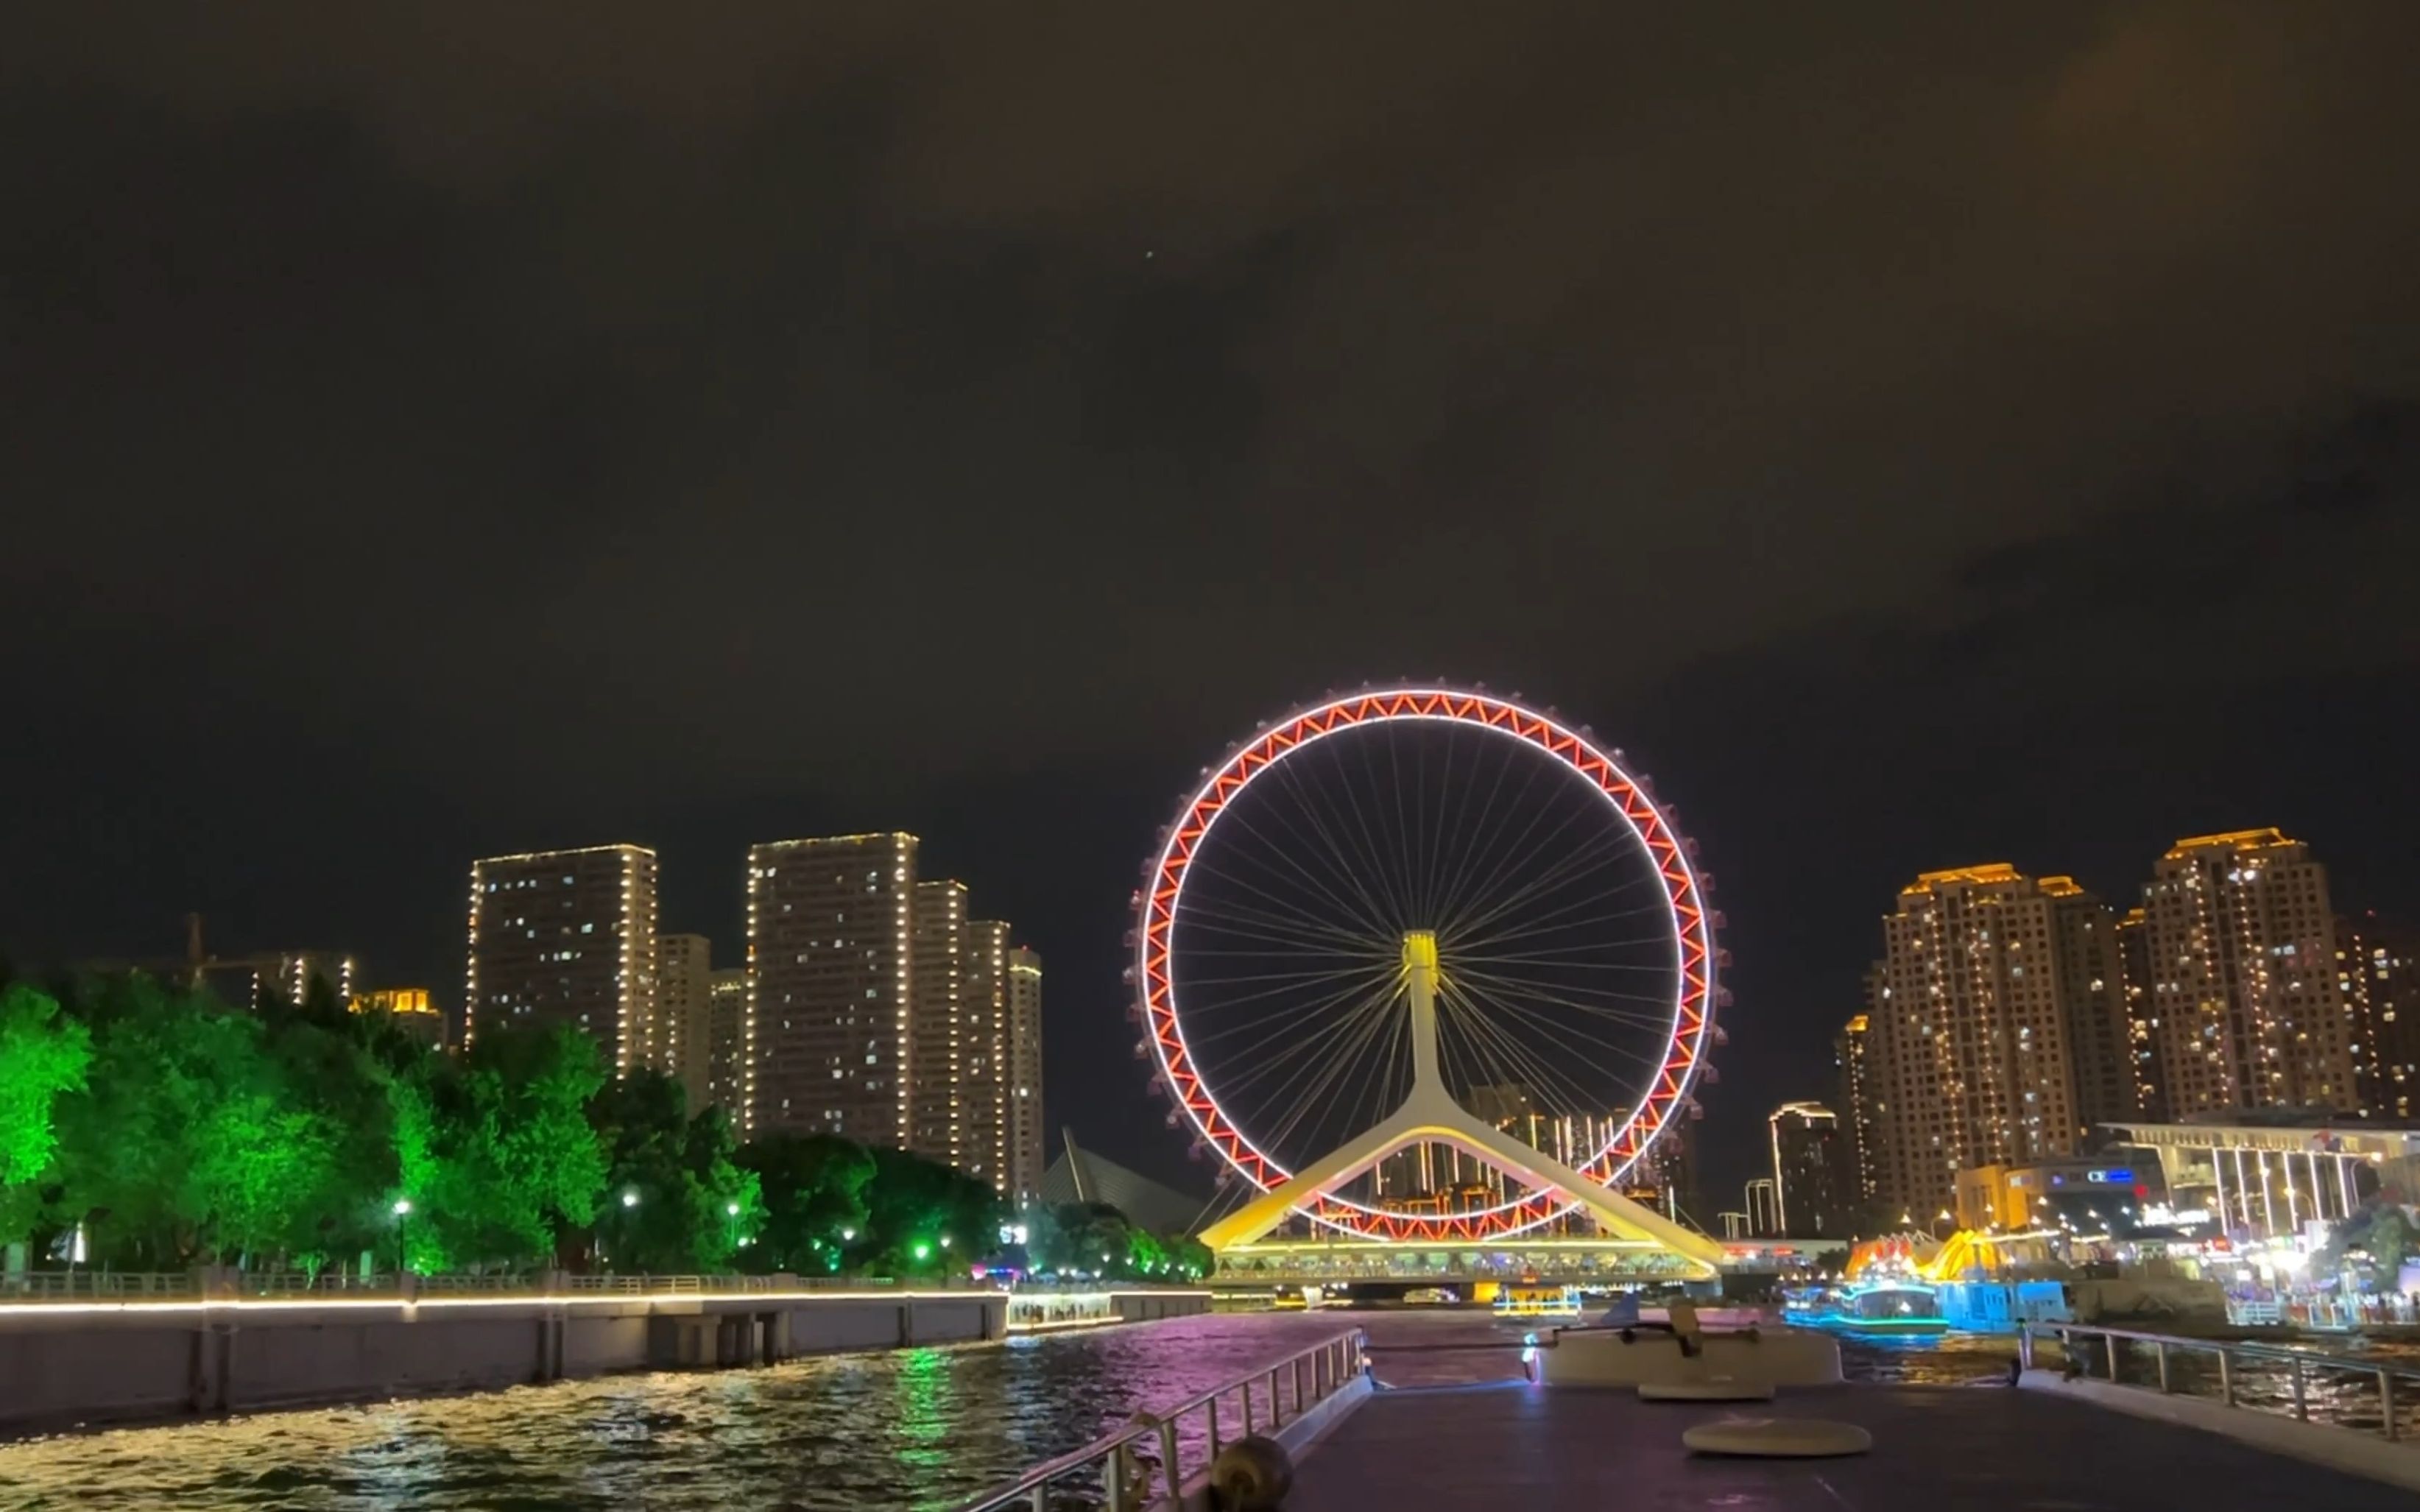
(1975, 1448)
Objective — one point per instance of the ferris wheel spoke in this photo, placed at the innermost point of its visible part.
(1376, 850)
(1306, 1048)
(1274, 910)
(1388, 872)
(1341, 860)
(1430, 838)
(1281, 976)
(1559, 920)
(1593, 856)
(1228, 936)
(1405, 857)
(1371, 853)
(1227, 1003)
(1233, 921)
(1579, 997)
(1287, 885)
(1364, 909)
(1562, 1027)
(1389, 1055)
(1496, 1058)
(1649, 1020)
(1469, 1060)
(1208, 994)
(1513, 851)
(1415, 830)
(1530, 1067)
(1577, 957)
(1468, 875)
(1287, 898)
(1550, 1076)
(1350, 1043)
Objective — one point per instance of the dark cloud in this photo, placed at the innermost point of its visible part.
(451, 427)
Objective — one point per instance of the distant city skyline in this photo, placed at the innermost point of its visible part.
(2012, 1020)
(2380, 1052)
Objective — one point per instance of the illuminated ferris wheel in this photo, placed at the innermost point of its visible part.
(1406, 936)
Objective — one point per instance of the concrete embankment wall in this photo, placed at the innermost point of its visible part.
(66, 1365)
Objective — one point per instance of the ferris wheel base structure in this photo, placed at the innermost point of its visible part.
(1430, 1115)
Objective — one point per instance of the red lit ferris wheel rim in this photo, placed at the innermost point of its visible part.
(1668, 1093)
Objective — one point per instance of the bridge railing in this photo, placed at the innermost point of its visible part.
(213, 1284)
(95, 1286)
(1149, 1463)
(2347, 1391)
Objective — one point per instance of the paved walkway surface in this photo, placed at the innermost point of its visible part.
(1942, 1449)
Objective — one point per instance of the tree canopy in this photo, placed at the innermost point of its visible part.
(177, 1131)
(43, 1056)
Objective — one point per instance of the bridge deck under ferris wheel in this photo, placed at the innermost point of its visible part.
(1390, 929)
(1633, 1231)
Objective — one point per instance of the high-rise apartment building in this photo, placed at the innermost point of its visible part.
(937, 1110)
(726, 1018)
(984, 1117)
(2142, 1015)
(2092, 1000)
(828, 1037)
(1852, 1051)
(1808, 1163)
(1022, 1088)
(566, 938)
(2377, 969)
(1969, 1026)
(679, 1043)
(2242, 955)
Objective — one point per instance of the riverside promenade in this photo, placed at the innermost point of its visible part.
(113, 1349)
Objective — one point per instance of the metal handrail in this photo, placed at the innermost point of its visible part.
(82, 1284)
(41, 1286)
(1135, 1482)
(2385, 1373)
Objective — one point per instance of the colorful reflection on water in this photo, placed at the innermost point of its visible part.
(918, 1429)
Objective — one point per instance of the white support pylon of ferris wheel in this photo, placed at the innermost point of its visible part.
(1429, 1115)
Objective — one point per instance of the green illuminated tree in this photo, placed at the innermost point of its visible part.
(1190, 1260)
(914, 1204)
(812, 1193)
(496, 1156)
(679, 1176)
(1145, 1255)
(191, 1141)
(43, 1056)
(1092, 1237)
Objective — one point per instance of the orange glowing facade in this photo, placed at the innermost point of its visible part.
(2244, 996)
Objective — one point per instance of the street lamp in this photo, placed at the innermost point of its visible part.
(402, 1234)
(629, 1198)
(731, 1211)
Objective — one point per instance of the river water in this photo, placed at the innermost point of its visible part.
(917, 1428)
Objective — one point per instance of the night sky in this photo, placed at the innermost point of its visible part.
(1919, 434)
